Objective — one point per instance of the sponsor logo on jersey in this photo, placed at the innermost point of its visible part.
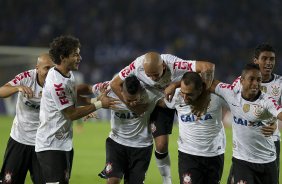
(227, 86)
(277, 107)
(125, 72)
(192, 117)
(21, 76)
(60, 91)
(34, 106)
(182, 65)
(126, 115)
(275, 90)
(187, 179)
(246, 108)
(241, 121)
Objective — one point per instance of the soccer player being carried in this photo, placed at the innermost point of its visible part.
(58, 109)
(20, 155)
(130, 142)
(157, 72)
(253, 111)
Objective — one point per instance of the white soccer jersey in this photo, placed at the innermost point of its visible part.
(274, 89)
(175, 69)
(204, 137)
(26, 120)
(127, 128)
(249, 143)
(55, 130)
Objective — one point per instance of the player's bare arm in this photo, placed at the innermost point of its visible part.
(8, 90)
(207, 71)
(170, 90)
(116, 85)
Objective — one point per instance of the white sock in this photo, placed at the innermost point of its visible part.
(164, 168)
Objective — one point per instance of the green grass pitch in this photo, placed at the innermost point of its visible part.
(89, 153)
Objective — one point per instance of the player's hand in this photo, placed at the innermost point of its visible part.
(170, 90)
(27, 92)
(91, 115)
(268, 130)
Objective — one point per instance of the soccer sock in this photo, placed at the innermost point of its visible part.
(163, 163)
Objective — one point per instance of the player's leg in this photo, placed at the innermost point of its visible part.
(268, 174)
(161, 126)
(277, 146)
(138, 165)
(243, 171)
(34, 168)
(230, 179)
(116, 161)
(189, 169)
(214, 167)
(16, 161)
(55, 166)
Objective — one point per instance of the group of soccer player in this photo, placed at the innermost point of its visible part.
(144, 98)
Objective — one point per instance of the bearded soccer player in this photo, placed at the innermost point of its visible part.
(157, 72)
(264, 56)
(20, 155)
(254, 154)
(201, 142)
(58, 109)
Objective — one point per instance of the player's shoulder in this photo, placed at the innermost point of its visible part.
(277, 77)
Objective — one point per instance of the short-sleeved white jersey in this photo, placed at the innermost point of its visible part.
(129, 129)
(55, 130)
(26, 120)
(249, 143)
(203, 137)
(175, 68)
(273, 88)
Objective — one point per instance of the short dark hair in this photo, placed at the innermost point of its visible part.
(261, 48)
(132, 84)
(193, 78)
(248, 67)
(63, 46)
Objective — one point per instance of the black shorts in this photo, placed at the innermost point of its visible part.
(252, 173)
(200, 170)
(56, 165)
(18, 159)
(130, 162)
(162, 121)
(277, 146)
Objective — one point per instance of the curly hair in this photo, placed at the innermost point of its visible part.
(63, 46)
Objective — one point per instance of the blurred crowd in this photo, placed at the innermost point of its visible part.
(113, 33)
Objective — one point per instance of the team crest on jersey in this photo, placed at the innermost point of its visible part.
(109, 167)
(8, 177)
(258, 110)
(246, 108)
(263, 89)
(187, 179)
(275, 90)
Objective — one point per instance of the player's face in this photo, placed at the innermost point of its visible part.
(251, 82)
(266, 62)
(73, 60)
(44, 66)
(189, 93)
(155, 73)
(132, 100)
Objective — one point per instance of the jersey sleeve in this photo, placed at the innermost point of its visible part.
(237, 84)
(96, 88)
(224, 90)
(172, 103)
(272, 106)
(21, 79)
(62, 96)
(131, 68)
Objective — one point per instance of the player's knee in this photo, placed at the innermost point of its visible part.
(162, 147)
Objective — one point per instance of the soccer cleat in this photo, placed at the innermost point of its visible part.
(102, 174)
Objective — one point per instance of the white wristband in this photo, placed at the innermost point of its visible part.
(98, 105)
(93, 100)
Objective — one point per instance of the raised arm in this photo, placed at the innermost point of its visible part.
(213, 85)
(116, 85)
(207, 71)
(8, 90)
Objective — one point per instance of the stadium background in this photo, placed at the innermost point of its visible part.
(113, 33)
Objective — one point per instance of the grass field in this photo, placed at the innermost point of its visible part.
(89, 157)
